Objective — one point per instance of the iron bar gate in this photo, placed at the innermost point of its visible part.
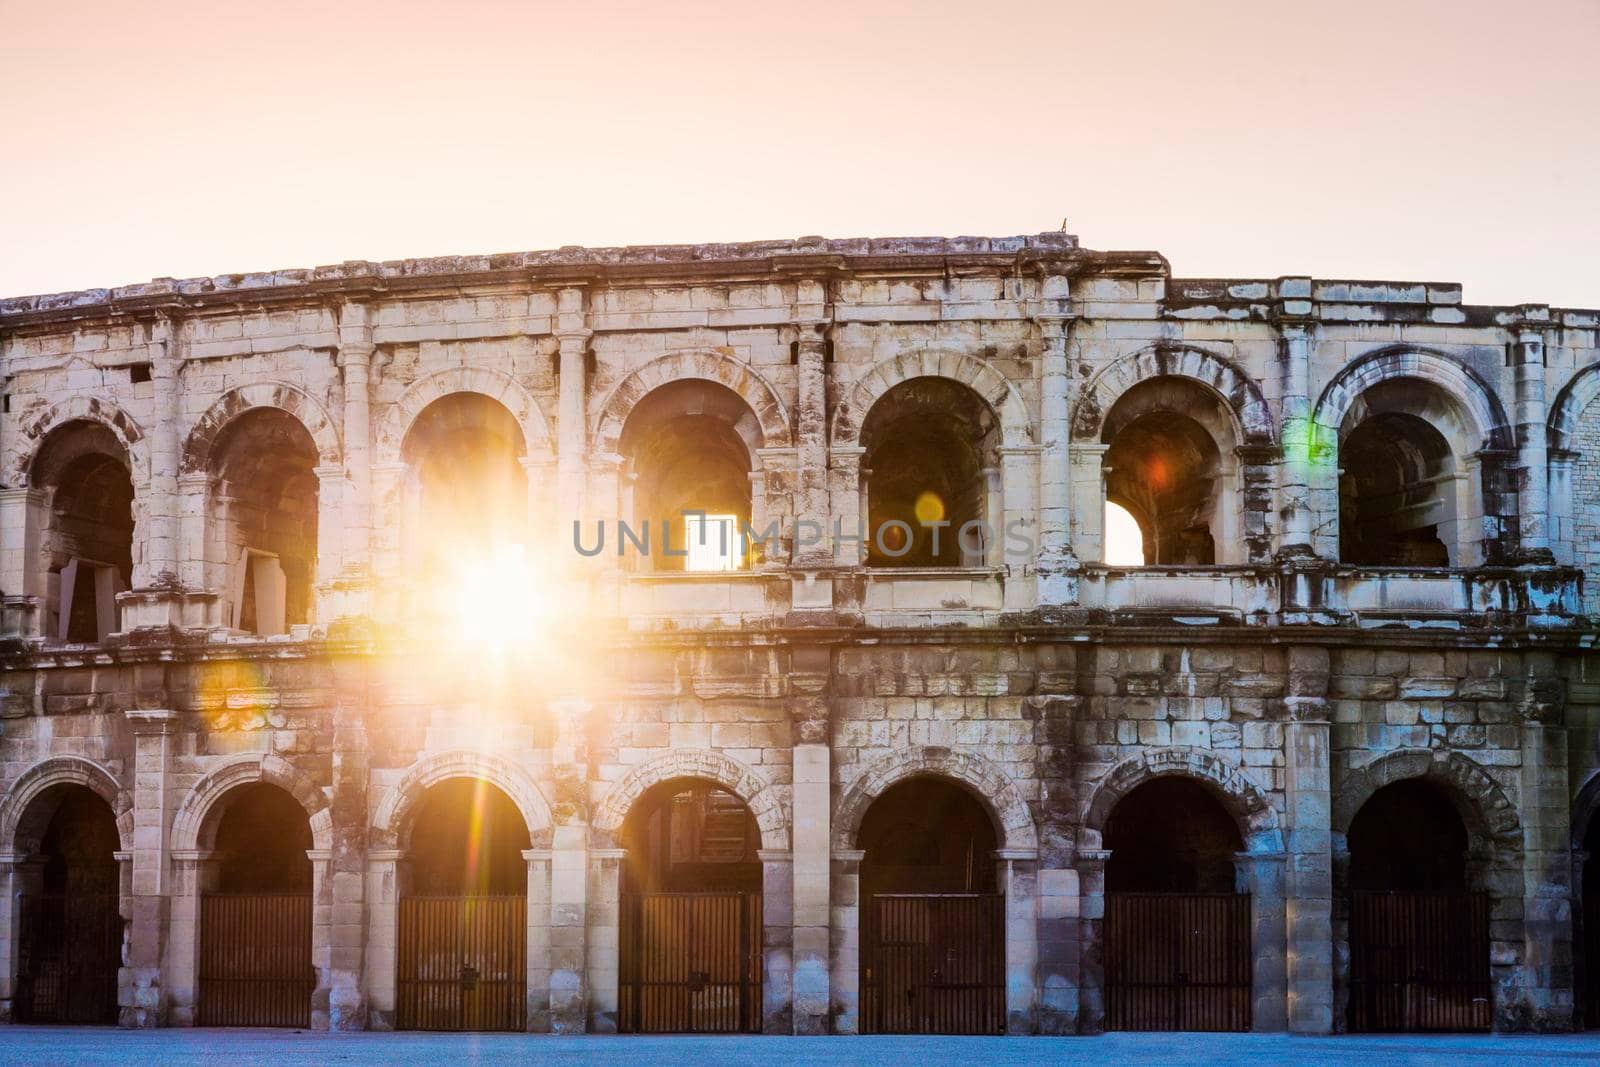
(255, 960)
(691, 963)
(70, 949)
(463, 963)
(933, 964)
(1591, 957)
(1177, 961)
(1419, 961)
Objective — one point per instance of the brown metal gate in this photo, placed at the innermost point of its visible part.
(463, 963)
(70, 949)
(691, 963)
(1591, 958)
(933, 964)
(1419, 961)
(255, 960)
(1177, 961)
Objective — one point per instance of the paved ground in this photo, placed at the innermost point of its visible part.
(180, 1048)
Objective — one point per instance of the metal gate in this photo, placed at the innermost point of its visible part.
(255, 960)
(1591, 958)
(691, 963)
(70, 949)
(1177, 961)
(1419, 961)
(933, 964)
(463, 963)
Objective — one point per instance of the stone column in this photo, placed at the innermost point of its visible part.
(194, 498)
(808, 698)
(159, 564)
(811, 434)
(844, 988)
(1547, 981)
(1261, 875)
(386, 881)
(322, 909)
(1470, 519)
(573, 334)
(194, 872)
(1088, 501)
(1294, 470)
(604, 937)
(1529, 415)
(777, 944)
(848, 486)
(331, 489)
(347, 869)
(1562, 533)
(1018, 877)
(569, 899)
(813, 836)
(538, 977)
(141, 998)
(353, 577)
(1054, 717)
(19, 875)
(1091, 939)
(21, 568)
(391, 538)
(1013, 505)
(1056, 564)
(1308, 876)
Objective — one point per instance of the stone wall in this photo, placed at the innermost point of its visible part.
(1289, 685)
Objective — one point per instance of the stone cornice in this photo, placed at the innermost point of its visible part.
(560, 268)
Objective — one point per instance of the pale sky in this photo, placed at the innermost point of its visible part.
(1395, 139)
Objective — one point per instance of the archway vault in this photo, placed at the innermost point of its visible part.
(282, 396)
(397, 422)
(57, 771)
(1490, 815)
(392, 818)
(695, 364)
(31, 435)
(1235, 388)
(992, 786)
(193, 819)
(1246, 801)
(955, 365)
(756, 792)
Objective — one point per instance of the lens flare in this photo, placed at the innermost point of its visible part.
(929, 508)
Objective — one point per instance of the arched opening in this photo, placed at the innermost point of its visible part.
(264, 519)
(691, 936)
(255, 913)
(462, 962)
(931, 476)
(466, 510)
(687, 491)
(86, 543)
(932, 918)
(1164, 464)
(1419, 937)
(1178, 933)
(1397, 479)
(70, 931)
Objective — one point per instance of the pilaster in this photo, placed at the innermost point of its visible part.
(141, 997)
(1056, 563)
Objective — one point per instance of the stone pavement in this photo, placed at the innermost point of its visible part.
(184, 1047)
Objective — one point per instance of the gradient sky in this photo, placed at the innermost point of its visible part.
(1453, 141)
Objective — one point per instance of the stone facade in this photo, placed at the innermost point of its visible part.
(1290, 683)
